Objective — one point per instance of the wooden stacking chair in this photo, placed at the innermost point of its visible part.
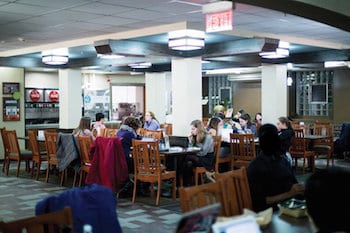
(38, 156)
(51, 148)
(84, 149)
(156, 134)
(148, 167)
(110, 132)
(299, 149)
(60, 221)
(236, 191)
(195, 197)
(324, 146)
(242, 149)
(168, 128)
(13, 151)
(4, 145)
(200, 171)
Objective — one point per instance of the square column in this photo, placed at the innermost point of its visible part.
(158, 90)
(69, 82)
(186, 93)
(273, 92)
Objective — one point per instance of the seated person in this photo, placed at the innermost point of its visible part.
(214, 126)
(204, 158)
(270, 175)
(245, 125)
(285, 133)
(127, 132)
(222, 117)
(151, 122)
(84, 128)
(258, 120)
(99, 124)
(327, 199)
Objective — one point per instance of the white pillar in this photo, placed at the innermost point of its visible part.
(157, 94)
(69, 82)
(273, 92)
(186, 93)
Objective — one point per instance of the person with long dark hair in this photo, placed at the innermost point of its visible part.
(285, 133)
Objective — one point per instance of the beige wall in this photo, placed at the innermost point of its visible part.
(341, 95)
(13, 75)
(247, 96)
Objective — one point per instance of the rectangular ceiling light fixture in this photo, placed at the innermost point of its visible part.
(186, 39)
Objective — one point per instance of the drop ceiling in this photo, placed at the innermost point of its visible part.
(30, 26)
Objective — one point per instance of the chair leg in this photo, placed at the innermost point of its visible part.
(32, 170)
(18, 167)
(7, 166)
(174, 188)
(75, 178)
(134, 191)
(81, 175)
(4, 164)
(159, 191)
(63, 174)
(304, 164)
(47, 173)
(152, 190)
(38, 166)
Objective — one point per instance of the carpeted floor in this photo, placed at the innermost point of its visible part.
(18, 197)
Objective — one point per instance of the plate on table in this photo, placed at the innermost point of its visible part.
(293, 207)
(193, 148)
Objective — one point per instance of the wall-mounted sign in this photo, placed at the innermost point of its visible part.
(10, 88)
(10, 109)
(219, 21)
(35, 95)
(54, 96)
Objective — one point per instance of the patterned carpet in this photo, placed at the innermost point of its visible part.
(18, 197)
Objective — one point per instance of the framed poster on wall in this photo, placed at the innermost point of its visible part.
(10, 109)
(9, 88)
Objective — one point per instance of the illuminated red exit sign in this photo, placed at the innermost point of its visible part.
(219, 21)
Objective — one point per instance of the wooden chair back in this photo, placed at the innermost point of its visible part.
(156, 134)
(168, 128)
(195, 197)
(84, 149)
(109, 133)
(4, 141)
(13, 146)
(146, 157)
(236, 191)
(295, 124)
(217, 147)
(323, 128)
(299, 144)
(242, 148)
(60, 221)
(51, 145)
(34, 144)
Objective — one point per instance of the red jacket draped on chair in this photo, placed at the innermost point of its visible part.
(108, 164)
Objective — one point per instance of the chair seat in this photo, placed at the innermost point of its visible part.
(26, 153)
(322, 147)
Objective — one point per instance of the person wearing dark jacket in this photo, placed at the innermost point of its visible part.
(271, 178)
(127, 132)
(285, 133)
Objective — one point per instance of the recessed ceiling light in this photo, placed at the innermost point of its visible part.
(140, 65)
(110, 56)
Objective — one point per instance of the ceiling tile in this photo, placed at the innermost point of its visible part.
(174, 8)
(115, 21)
(143, 14)
(54, 3)
(25, 9)
(10, 17)
(101, 8)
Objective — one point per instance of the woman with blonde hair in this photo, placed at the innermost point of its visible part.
(151, 122)
(204, 158)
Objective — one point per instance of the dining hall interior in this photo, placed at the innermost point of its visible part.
(63, 61)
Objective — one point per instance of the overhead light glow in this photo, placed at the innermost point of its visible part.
(110, 56)
(289, 81)
(331, 64)
(186, 40)
(141, 65)
(55, 56)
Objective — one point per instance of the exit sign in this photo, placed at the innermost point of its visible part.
(219, 21)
